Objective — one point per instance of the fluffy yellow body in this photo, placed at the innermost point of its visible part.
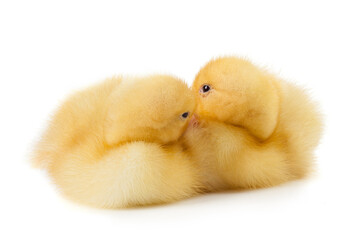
(123, 142)
(115, 144)
(255, 130)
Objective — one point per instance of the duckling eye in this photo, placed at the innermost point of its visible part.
(185, 115)
(205, 88)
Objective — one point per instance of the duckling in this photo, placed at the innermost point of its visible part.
(254, 129)
(114, 145)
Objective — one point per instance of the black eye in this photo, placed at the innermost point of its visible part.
(185, 115)
(205, 88)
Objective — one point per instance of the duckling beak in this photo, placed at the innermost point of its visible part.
(194, 121)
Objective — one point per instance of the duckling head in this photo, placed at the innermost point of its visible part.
(234, 91)
(154, 109)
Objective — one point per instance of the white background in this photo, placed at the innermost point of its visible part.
(49, 49)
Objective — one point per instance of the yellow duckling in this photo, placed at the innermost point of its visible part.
(113, 145)
(255, 130)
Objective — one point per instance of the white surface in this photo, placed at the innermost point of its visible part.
(49, 49)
